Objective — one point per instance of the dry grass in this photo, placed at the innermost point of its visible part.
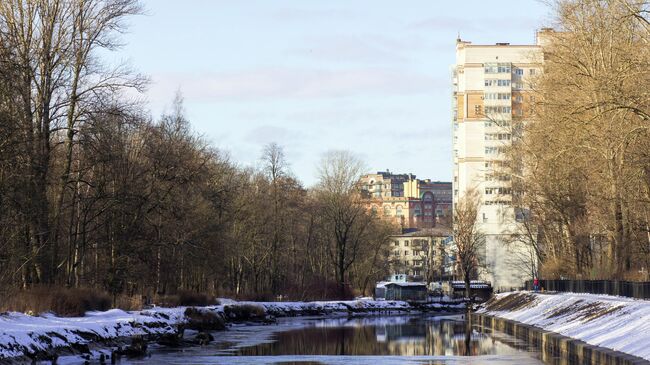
(244, 312)
(510, 302)
(585, 311)
(62, 301)
(129, 303)
(186, 299)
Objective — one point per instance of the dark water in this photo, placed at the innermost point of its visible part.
(369, 340)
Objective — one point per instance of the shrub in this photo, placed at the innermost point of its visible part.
(322, 289)
(203, 320)
(62, 301)
(187, 299)
(244, 312)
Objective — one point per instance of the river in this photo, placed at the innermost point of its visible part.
(420, 339)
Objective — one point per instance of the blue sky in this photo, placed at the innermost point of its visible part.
(369, 76)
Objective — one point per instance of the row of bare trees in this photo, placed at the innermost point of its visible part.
(96, 193)
(581, 166)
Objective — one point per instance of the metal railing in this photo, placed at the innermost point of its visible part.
(632, 289)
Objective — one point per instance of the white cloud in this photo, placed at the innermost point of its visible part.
(283, 83)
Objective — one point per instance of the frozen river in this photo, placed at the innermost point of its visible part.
(365, 340)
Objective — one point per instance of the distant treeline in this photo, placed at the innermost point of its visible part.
(96, 193)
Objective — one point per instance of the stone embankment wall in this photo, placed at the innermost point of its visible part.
(576, 328)
(553, 345)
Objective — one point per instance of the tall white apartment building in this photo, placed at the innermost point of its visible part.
(491, 89)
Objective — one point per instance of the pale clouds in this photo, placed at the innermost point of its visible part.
(366, 49)
(306, 15)
(285, 83)
(477, 24)
(265, 134)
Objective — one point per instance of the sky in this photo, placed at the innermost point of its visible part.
(369, 76)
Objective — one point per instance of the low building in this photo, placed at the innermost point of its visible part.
(480, 289)
(421, 254)
(410, 291)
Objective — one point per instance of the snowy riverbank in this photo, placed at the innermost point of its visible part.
(617, 323)
(46, 336)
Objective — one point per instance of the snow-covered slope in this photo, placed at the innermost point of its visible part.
(21, 334)
(618, 323)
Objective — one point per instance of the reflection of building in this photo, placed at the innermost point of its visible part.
(407, 201)
(492, 89)
(421, 254)
(419, 337)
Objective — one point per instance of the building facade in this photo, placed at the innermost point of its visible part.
(385, 184)
(492, 88)
(406, 201)
(436, 195)
(421, 254)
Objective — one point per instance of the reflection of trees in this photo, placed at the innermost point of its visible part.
(416, 337)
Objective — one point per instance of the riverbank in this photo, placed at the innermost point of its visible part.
(616, 323)
(24, 338)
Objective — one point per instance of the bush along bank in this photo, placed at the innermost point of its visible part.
(113, 333)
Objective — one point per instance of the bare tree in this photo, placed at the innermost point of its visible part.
(275, 168)
(344, 217)
(468, 238)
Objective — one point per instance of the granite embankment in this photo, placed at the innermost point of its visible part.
(575, 325)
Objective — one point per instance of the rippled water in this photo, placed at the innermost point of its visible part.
(366, 340)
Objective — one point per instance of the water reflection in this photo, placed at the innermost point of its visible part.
(399, 340)
(400, 336)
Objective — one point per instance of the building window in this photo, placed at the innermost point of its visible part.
(406, 243)
(398, 211)
(497, 82)
(532, 71)
(519, 71)
(406, 252)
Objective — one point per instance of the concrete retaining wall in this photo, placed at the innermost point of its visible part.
(552, 345)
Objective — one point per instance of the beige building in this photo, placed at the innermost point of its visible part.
(407, 201)
(420, 254)
(385, 184)
(492, 88)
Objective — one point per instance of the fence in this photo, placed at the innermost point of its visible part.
(640, 290)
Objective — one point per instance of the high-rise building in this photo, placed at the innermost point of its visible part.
(492, 88)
